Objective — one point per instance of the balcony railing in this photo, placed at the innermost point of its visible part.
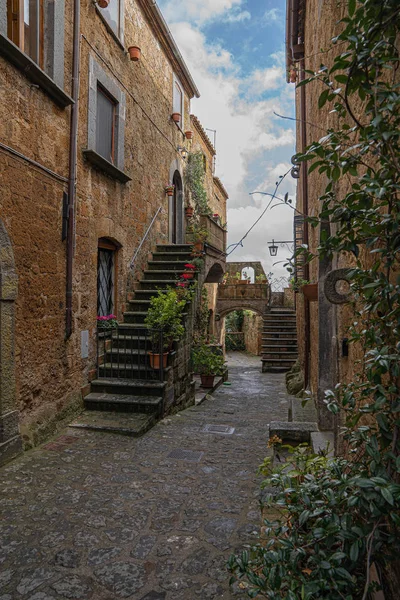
(251, 291)
(124, 353)
(216, 233)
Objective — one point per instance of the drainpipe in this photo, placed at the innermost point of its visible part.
(304, 190)
(73, 145)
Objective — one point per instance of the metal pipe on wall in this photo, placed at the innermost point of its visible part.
(304, 192)
(73, 147)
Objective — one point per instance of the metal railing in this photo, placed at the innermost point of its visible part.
(131, 264)
(128, 353)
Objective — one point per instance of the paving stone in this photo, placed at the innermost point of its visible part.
(100, 555)
(123, 579)
(73, 587)
(122, 519)
(70, 559)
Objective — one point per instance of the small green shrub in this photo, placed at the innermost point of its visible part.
(324, 540)
(207, 362)
(165, 313)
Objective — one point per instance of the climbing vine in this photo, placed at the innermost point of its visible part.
(344, 514)
(194, 180)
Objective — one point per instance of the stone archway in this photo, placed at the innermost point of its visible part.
(10, 440)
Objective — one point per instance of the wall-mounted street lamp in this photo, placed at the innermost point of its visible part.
(273, 246)
(183, 152)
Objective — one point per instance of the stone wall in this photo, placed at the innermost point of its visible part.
(252, 328)
(50, 370)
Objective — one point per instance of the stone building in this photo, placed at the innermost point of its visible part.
(322, 321)
(87, 147)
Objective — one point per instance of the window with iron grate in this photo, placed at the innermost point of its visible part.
(106, 269)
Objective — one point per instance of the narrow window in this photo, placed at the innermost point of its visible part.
(112, 14)
(106, 265)
(25, 25)
(105, 125)
(177, 103)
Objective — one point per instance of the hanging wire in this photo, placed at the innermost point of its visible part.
(273, 196)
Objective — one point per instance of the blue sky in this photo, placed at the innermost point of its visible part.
(235, 52)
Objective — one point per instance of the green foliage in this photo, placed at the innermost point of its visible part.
(324, 534)
(206, 361)
(194, 180)
(200, 330)
(165, 313)
(344, 515)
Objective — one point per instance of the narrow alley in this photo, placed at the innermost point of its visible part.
(95, 515)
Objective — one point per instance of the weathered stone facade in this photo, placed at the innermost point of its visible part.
(252, 329)
(116, 205)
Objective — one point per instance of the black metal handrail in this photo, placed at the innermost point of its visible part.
(126, 353)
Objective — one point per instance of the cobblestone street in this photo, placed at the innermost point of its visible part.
(100, 516)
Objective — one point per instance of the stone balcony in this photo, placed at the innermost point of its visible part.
(250, 291)
(216, 233)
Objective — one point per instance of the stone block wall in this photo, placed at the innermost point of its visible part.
(50, 371)
(252, 328)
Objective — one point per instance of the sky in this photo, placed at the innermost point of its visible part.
(235, 52)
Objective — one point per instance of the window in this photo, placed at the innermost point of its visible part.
(25, 26)
(106, 123)
(114, 17)
(105, 120)
(177, 106)
(106, 264)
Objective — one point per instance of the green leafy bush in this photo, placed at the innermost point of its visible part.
(194, 180)
(207, 362)
(166, 314)
(324, 540)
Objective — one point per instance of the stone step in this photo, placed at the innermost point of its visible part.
(155, 284)
(124, 403)
(295, 432)
(278, 326)
(130, 371)
(268, 369)
(168, 256)
(138, 317)
(157, 275)
(159, 265)
(144, 295)
(131, 424)
(279, 361)
(129, 342)
(138, 305)
(286, 320)
(275, 340)
(131, 387)
(279, 335)
(175, 248)
(285, 355)
(119, 354)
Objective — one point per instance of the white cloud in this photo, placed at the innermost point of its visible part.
(199, 12)
(272, 15)
(253, 145)
(237, 16)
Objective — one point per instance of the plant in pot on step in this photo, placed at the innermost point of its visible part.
(164, 315)
(208, 364)
(107, 322)
(198, 236)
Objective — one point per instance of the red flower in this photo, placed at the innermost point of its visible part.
(190, 266)
(187, 276)
(181, 284)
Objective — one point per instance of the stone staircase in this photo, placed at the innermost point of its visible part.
(128, 396)
(279, 340)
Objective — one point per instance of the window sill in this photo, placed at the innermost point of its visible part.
(31, 70)
(109, 29)
(104, 165)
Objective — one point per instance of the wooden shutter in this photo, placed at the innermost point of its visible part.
(105, 125)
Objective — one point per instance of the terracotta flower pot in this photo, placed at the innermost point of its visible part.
(243, 282)
(103, 3)
(207, 381)
(189, 135)
(169, 191)
(155, 360)
(198, 246)
(310, 291)
(189, 210)
(134, 53)
(176, 117)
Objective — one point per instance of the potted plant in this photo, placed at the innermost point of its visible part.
(189, 210)
(199, 236)
(310, 291)
(189, 271)
(169, 189)
(164, 314)
(189, 135)
(107, 322)
(225, 279)
(261, 278)
(176, 117)
(208, 364)
(134, 53)
(103, 3)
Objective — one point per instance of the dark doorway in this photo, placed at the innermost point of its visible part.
(176, 210)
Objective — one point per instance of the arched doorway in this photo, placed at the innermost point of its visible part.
(10, 440)
(176, 211)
